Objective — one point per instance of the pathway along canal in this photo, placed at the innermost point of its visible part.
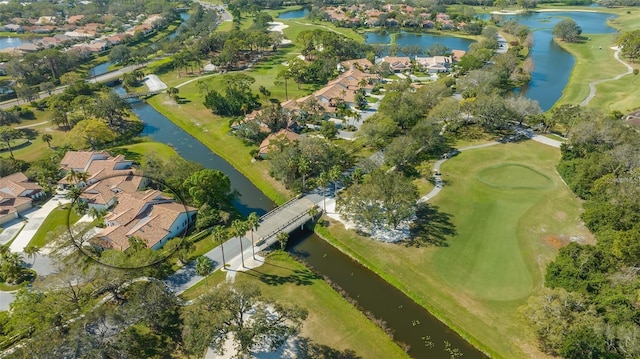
(409, 322)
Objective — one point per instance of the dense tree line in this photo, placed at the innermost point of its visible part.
(306, 161)
(591, 306)
(324, 50)
(237, 99)
(87, 310)
(629, 43)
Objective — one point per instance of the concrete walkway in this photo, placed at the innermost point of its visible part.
(436, 167)
(546, 140)
(437, 175)
(592, 85)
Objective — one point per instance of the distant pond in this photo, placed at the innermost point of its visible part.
(296, 14)
(423, 40)
(7, 42)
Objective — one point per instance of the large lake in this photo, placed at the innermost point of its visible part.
(553, 65)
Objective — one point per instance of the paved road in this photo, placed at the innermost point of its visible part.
(546, 140)
(101, 78)
(43, 94)
(503, 45)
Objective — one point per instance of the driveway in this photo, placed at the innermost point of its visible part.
(34, 221)
(5, 300)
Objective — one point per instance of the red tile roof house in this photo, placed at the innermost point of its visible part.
(360, 64)
(16, 195)
(147, 215)
(113, 184)
(435, 64)
(282, 136)
(106, 176)
(398, 64)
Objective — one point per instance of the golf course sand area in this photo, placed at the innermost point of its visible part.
(496, 243)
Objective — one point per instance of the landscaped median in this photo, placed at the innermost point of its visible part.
(510, 212)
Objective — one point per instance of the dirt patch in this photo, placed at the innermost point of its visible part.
(560, 216)
(556, 241)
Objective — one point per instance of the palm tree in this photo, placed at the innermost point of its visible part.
(304, 167)
(220, 234)
(32, 252)
(282, 238)
(139, 75)
(47, 138)
(323, 179)
(313, 212)
(334, 175)
(239, 229)
(204, 268)
(8, 134)
(253, 222)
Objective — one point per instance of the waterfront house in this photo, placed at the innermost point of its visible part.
(146, 215)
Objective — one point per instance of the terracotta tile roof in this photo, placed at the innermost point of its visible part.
(336, 92)
(79, 159)
(265, 146)
(10, 205)
(398, 63)
(109, 184)
(362, 63)
(456, 55)
(351, 79)
(75, 18)
(147, 215)
(12, 193)
(15, 184)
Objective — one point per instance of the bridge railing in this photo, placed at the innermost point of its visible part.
(137, 95)
(281, 227)
(275, 210)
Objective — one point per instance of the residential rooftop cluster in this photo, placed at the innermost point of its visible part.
(390, 15)
(73, 33)
(112, 184)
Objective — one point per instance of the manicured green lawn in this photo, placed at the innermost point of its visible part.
(595, 61)
(56, 221)
(136, 150)
(504, 237)
(298, 25)
(620, 95)
(332, 320)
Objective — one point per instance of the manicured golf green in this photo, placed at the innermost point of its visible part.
(513, 176)
(485, 258)
(506, 207)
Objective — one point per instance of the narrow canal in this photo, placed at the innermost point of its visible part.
(410, 323)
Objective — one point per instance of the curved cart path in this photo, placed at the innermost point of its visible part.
(592, 85)
(436, 166)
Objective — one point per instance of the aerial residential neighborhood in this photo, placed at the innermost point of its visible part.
(354, 179)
